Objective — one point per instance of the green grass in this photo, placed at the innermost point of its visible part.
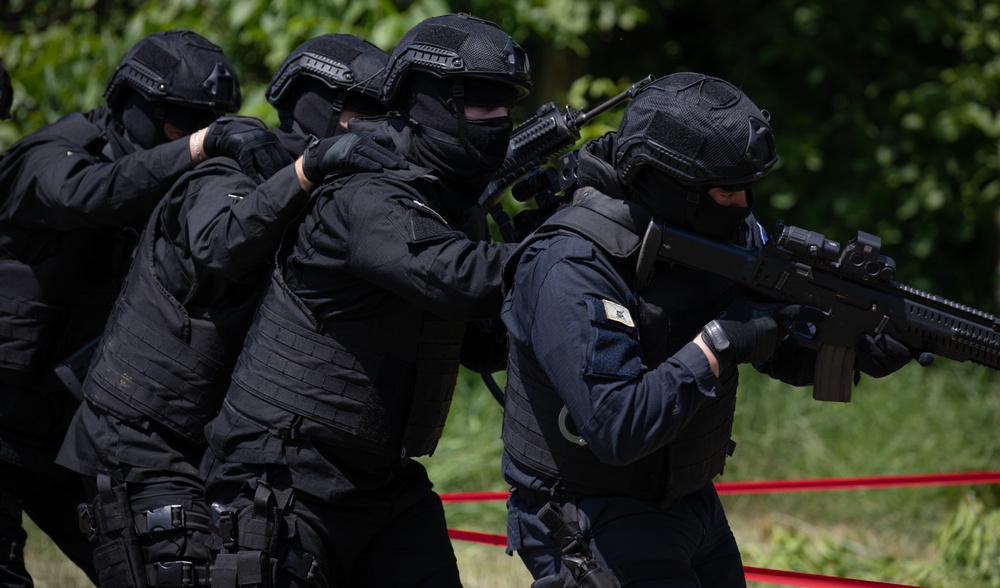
(943, 418)
(48, 566)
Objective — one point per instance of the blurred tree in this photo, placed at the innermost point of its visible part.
(886, 114)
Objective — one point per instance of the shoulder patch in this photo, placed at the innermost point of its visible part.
(425, 222)
(617, 313)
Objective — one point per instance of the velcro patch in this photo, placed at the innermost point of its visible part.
(617, 313)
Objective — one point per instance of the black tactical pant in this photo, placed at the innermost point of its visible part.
(50, 501)
(688, 545)
(146, 512)
(32, 424)
(151, 533)
(395, 536)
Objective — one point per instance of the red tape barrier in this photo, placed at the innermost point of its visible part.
(752, 574)
(763, 487)
(809, 580)
(807, 485)
(821, 484)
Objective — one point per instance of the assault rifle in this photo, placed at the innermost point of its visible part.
(854, 286)
(537, 140)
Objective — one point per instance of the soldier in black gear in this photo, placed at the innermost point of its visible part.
(75, 193)
(6, 93)
(348, 369)
(164, 362)
(622, 383)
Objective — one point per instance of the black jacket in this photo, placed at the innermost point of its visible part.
(355, 348)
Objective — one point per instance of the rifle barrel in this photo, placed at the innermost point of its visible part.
(614, 101)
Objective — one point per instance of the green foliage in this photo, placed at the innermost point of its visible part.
(970, 544)
(886, 115)
(967, 545)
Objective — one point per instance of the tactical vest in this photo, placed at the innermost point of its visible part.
(386, 381)
(162, 360)
(672, 309)
(58, 286)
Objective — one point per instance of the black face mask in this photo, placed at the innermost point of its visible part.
(312, 109)
(464, 155)
(139, 123)
(669, 200)
(717, 221)
(663, 195)
(132, 125)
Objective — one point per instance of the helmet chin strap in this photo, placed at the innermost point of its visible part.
(458, 94)
(336, 107)
(691, 209)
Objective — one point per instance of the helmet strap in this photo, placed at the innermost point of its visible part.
(336, 107)
(160, 119)
(458, 94)
(693, 198)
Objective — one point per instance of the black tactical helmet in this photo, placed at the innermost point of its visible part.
(6, 93)
(179, 67)
(339, 61)
(455, 45)
(699, 130)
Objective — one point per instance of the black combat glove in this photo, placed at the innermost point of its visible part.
(881, 355)
(747, 332)
(247, 141)
(361, 151)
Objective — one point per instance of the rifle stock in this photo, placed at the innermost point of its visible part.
(854, 286)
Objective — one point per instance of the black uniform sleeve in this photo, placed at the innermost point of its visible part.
(400, 244)
(235, 225)
(59, 185)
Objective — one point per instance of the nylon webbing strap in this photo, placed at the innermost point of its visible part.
(244, 569)
(109, 512)
(169, 518)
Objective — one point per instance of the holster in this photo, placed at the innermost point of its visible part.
(579, 568)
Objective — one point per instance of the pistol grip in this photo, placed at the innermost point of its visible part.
(834, 373)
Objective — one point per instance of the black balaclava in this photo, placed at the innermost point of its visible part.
(138, 123)
(716, 220)
(688, 207)
(465, 153)
(312, 109)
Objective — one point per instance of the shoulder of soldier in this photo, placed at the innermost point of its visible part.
(545, 252)
(369, 188)
(73, 128)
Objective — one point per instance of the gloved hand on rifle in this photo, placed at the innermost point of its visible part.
(750, 332)
(359, 150)
(881, 355)
(247, 141)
